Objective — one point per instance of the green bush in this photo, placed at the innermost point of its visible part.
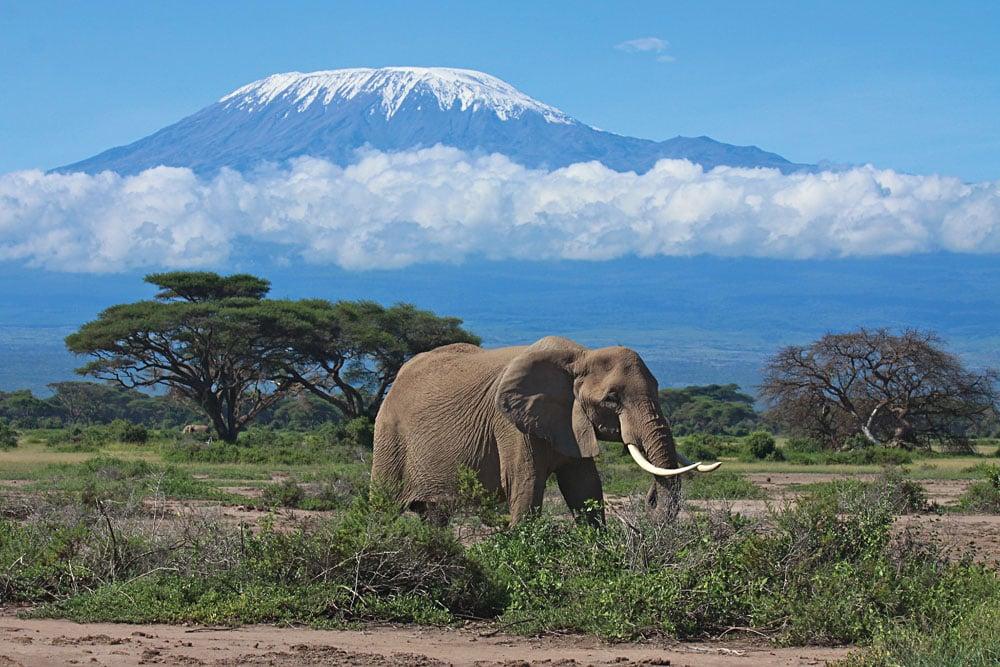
(700, 447)
(760, 444)
(333, 443)
(802, 446)
(372, 563)
(78, 439)
(286, 493)
(8, 436)
(123, 430)
(983, 496)
(973, 641)
(823, 572)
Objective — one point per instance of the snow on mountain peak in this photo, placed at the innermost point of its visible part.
(470, 89)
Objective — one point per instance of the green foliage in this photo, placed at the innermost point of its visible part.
(8, 436)
(198, 286)
(721, 485)
(349, 352)
(78, 438)
(474, 500)
(800, 445)
(983, 496)
(700, 447)
(369, 564)
(826, 571)
(804, 452)
(712, 409)
(22, 409)
(115, 479)
(974, 641)
(891, 488)
(760, 444)
(333, 443)
(286, 493)
(123, 430)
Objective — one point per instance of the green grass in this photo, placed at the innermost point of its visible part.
(973, 641)
(103, 476)
(824, 572)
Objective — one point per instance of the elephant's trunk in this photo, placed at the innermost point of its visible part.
(650, 441)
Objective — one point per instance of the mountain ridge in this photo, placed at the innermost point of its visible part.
(332, 113)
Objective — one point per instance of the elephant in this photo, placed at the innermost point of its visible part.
(515, 416)
(195, 428)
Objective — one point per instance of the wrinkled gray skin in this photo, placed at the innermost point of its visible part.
(515, 416)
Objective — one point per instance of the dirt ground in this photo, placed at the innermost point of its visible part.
(52, 642)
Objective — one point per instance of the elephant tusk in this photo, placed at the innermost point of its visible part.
(650, 468)
(702, 467)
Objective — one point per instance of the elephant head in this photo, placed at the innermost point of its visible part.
(572, 396)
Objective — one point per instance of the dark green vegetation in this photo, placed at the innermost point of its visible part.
(8, 436)
(824, 571)
(983, 495)
(712, 409)
(219, 344)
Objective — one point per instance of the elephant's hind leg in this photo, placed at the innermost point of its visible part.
(581, 487)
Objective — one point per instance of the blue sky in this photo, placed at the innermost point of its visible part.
(913, 86)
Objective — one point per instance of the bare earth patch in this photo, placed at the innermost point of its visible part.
(55, 642)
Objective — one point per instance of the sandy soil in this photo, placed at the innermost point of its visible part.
(52, 642)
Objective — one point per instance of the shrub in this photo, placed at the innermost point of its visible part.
(372, 563)
(8, 436)
(760, 444)
(823, 571)
(286, 493)
(78, 439)
(983, 495)
(973, 640)
(700, 447)
(800, 445)
(123, 430)
(332, 443)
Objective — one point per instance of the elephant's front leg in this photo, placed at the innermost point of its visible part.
(525, 492)
(524, 468)
(581, 487)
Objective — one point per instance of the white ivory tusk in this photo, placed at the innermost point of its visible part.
(650, 468)
(702, 467)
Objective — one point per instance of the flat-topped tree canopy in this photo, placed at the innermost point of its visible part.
(219, 343)
(196, 286)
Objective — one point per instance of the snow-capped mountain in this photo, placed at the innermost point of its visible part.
(330, 114)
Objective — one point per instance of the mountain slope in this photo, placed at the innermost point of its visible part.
(330, 114)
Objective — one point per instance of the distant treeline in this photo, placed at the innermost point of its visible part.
(85, 403)
(713, 409)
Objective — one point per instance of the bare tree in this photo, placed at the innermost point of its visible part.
(903, 390)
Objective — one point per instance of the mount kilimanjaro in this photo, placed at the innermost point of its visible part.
(331, 114)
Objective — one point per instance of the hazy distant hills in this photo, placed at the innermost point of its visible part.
(695, 320)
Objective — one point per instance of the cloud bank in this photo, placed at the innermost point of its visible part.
(390, 210)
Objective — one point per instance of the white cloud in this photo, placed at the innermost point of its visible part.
(643, 45)
(440, 204)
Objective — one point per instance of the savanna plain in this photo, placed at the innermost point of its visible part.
(121, 544)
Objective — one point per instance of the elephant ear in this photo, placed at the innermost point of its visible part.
(536, 395)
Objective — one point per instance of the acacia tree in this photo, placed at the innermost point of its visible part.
(204, 337)
(348, 353)
(901, 389)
